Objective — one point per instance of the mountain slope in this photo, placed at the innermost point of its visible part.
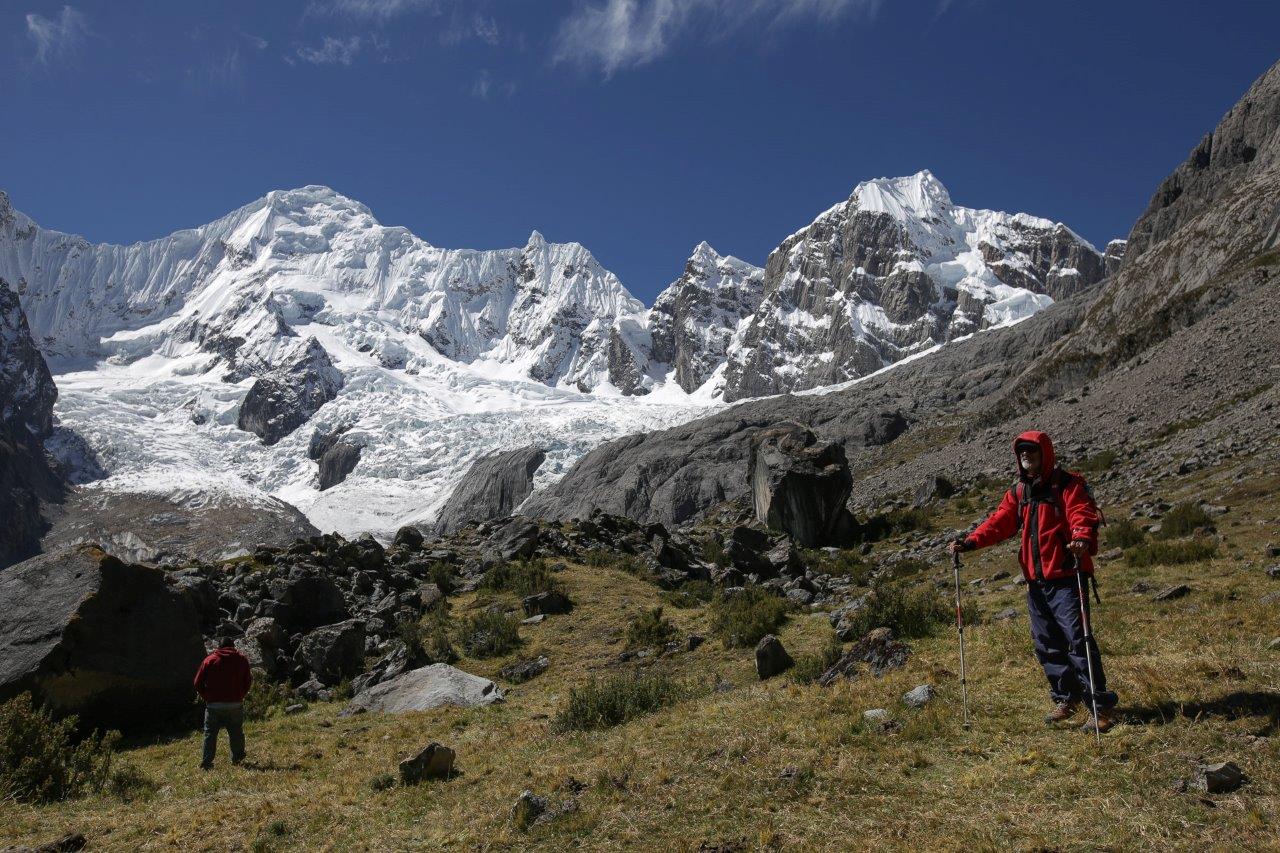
(1177, 351)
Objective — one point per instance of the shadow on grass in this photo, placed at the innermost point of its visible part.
(1232, 706)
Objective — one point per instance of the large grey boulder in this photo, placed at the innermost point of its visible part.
(424, 689)
(800, 487)
(492, 488)
(286, 398)
(308, 601)
(91, 635)
(337, 462)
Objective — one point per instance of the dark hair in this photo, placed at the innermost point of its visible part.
(226, 642)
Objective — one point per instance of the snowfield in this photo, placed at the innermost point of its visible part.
(428, 358)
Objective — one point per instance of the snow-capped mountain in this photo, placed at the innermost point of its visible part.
(894, 270)
(220, 358)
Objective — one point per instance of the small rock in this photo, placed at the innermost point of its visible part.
(520, 671)
(1273, 572)
(1218, 778)
(875, 715)
(533, 620)
(1274, 645)
(435, 761)
(771, 657)
(296, 708)
(1170, 593)
(1000, 575)
(693, 641)
(547, 603)
(920, 696)
(528, 808)
(1272, 550)
(1141, 587)
(1005, 615)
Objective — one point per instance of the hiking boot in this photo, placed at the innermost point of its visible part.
(1062, 712)
(1105, 721)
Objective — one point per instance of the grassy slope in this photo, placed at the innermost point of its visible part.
(1195, 676)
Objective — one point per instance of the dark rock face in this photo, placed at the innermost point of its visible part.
(800, 487)
(286, 398)
(492, 488)
(334, 652)
(27, 394)
(771, 658)
(308, 601)
(1113, 257)
(546, 603)
(94, 636)
(337, 462)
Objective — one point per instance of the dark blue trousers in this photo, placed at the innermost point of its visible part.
(1057, 630)
(223, 715)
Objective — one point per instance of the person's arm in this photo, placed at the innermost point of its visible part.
(246, 679)
(198, 681)
(999, 526)
(1082, 515)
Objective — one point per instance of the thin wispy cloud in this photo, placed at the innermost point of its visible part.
(331, 51)
(382, 10)
(464, 27)
(485, 86)
(57, 39)
(220, 73)
(617, 34)
(257, 41)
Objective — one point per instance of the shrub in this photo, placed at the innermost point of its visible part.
(897, 522)
(429, 641)
(1182, 520)
(649, 628)
(382, 782)
(911, 611)
(489, 634)
(1123, 534)
(266, 699)
(440, 575)
(527, 577)
(41, 760)
(1100, 461)
(128, 783)
(848, 564)
(689, 594)
(743, 618)
(1171, 553)
(712, 551)
(809, 667)
(603, 704)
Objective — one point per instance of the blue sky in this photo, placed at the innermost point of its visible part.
(636, 127)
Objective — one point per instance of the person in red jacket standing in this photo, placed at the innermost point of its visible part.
(222, 681)
(1059, 522)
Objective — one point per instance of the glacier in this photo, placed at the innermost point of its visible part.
(429, 357)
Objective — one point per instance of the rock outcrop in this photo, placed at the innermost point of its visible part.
(492, 488)
(27, 394)
(91, 635)
(286, 398)
(424, 689)
(800, 487)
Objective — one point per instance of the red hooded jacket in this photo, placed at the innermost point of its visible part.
(223, 676)
(1057, 509)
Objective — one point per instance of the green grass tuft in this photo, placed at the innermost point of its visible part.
(649, 628)
(489, 634)
(743, 618)
(1171, 553)
(617, 700)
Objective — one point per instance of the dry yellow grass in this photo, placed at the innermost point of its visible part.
(776, 765)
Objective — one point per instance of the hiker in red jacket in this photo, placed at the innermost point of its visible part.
(222, 681)
(1059, 522)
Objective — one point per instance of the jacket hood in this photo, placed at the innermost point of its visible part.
(1048, 460)
(225, 653)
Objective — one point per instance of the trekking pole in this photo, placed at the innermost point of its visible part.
(1088, 653)
(964, 685)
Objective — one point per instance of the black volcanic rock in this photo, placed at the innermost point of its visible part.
(492, 488)
(337, 462)
(91, 635)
